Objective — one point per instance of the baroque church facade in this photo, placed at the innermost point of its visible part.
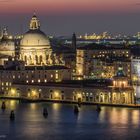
(34, 48)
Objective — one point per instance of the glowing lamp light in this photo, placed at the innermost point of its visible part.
(79, 71)
(34, 93)
(56, 94)
(79, 95)
(13, 92)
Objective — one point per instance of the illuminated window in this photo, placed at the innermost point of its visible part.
(27, 81)
(38, 80)
(6, 83)
(32, 81)
(13, 76)
(2, 83)
(45, 80)
(51, 76)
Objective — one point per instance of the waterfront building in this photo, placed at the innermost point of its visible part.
(135, 70)
(116, 91)
(35, 47)
(100, 61)
(16, 71)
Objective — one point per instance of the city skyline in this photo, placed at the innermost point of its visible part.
(63, 17)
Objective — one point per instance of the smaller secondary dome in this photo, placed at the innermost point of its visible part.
(35, 37)
(6, 44)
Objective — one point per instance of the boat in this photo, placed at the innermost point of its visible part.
(98, 109)
(45, 112)
(12, 115)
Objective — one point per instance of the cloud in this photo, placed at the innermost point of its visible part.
(137, 4)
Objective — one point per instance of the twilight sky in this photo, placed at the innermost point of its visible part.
(63, 17)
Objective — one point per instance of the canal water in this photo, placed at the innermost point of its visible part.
(112, 123)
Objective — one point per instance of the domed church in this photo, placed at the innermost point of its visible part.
(35, 48)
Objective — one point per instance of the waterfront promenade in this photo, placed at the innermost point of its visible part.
(137, 105)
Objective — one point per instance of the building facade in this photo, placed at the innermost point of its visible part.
(35, 48)
(116, 91)
(100, 61)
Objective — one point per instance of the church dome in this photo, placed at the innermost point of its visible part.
(35, 37)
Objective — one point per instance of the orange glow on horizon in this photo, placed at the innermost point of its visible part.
(61, 6)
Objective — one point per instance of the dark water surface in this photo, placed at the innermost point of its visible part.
(63, 124)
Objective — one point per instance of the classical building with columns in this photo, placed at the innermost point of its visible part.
(35, 48)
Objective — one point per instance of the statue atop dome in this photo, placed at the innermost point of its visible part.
(34, 23)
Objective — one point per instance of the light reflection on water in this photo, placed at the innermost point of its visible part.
(62, 123)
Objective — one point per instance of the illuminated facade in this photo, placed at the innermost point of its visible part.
(7, 47)
(135, 70)
(35, 48)
(99, 61)
(104, 35)
(99, 91)
(31, 74)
